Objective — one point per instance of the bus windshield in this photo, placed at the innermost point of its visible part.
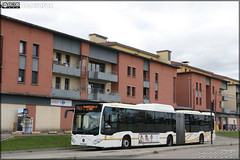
(86, 120)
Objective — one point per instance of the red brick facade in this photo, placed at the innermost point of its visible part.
(198, 88)
(14, 33)
(66, 123)
(124, 80)
(166, 76)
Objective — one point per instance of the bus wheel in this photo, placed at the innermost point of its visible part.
(201, 139)
(126, 142)
(169, 140)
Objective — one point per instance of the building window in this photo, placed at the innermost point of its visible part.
(213, 93)
(67, 60)
(133, 91)
(66, 84)
(34, 77)
(96, 67)
(96, 88)
(22, 49)
(128, 90)
(58, 83)
(133, 71)
(58, 57)
(21, 75)
(196, 93)
(156, 77)
(145, 93)
(129, 71)
(174, 89)
(35, 50)
(145, 76)
(200, 93)
(156, 95)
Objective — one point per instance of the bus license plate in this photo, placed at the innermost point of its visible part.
(83, 144)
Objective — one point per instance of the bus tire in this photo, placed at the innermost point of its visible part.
(169, 140)
(201, 139)
(126, 142)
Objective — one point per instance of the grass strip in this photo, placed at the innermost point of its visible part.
(36, 142)
(234, 134)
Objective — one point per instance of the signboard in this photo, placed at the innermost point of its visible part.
(148, 138)
(59, 102)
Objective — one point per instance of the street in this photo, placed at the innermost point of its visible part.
(221, 148)
(218, 152)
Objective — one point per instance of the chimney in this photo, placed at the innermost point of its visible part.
(164, 56)
(97, 38)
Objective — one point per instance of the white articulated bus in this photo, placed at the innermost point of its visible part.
(108, 125)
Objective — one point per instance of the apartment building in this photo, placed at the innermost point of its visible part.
(48, 72)
(231, 103)
(205, 87)
(154, 75)
(195, 88)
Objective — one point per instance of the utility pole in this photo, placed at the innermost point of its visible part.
(211, 111)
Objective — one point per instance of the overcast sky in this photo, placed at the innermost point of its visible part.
(204, 33)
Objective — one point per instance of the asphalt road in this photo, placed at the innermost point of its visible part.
(217, 152)
(137, 152)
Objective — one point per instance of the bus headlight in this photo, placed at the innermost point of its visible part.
(73, 140)
(96, 141)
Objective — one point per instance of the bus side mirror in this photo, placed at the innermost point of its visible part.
(65, 115)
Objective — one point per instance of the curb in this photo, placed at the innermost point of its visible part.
(158, 150)
(40, 150)
(7, 138)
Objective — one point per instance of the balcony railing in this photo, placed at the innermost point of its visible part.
(100, 95)
(66, 91)
(104, 76)
(145, 98)
(224, 97)
(238, 100)
(72, 70)
(145, 82)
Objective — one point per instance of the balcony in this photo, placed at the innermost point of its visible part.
(100, 95)
(224, 97)
(238, 100)
(226, 110)
(66, 70)
(146, 83)
(72, 92)
(145, 98)
(111, 77)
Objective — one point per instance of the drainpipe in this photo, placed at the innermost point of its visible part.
(189, 105)
(1, 53)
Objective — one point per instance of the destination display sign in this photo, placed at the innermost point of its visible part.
(88, 108)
